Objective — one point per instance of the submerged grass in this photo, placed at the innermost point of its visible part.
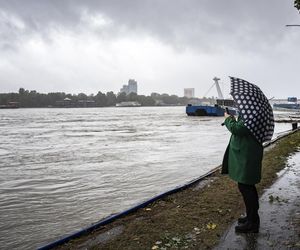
(194, 218)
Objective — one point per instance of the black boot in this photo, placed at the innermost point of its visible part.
(250, 224)
(248, 227)
(242, 220)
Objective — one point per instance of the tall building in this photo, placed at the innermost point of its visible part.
(189, 92)
(130, 88)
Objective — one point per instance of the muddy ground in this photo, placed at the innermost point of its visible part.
(196, 218)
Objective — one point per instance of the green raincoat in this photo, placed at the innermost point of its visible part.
(243, 156)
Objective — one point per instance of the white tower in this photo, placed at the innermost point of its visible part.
(220, 95)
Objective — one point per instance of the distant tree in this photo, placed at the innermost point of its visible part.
(10, 97)
(22, 96)
(29, 99)
(183, 100)
(297, 5)
(121, 97)
(82, 96)
(132, 97)
(171, 100)
(174, 99)
(68, 96)
(155, 95)
(165, 98)
(32, 98)
(2, 99)
(146, 100)
(21, 91)
(57, 96)
(101, 99)
(111, 99)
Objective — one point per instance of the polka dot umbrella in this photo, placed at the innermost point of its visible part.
(254, 108)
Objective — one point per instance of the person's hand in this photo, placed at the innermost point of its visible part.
(226, 115)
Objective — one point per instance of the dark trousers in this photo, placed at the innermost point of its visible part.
(250, 197)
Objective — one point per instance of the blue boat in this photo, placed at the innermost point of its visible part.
(204, 110)
(208, 110)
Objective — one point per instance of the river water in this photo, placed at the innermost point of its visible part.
(63, 169)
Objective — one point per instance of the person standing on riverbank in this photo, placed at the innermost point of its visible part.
(243, 157)
(242, 161)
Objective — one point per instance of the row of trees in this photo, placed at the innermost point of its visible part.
(30, 99)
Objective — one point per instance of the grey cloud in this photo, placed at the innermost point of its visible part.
(202, 24)
(37, 17)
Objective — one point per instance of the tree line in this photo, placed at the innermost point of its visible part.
(33, 99)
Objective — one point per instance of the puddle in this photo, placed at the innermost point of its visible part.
(279, 212)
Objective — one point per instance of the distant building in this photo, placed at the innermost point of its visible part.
(124, 89)
(189, 92)
(130, 88)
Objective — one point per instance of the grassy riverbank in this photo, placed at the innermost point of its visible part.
(195, 218)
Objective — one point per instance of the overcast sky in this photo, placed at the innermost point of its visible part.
(165, 45)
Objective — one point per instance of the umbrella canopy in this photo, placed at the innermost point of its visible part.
(254, 108)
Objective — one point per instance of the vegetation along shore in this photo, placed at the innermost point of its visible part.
(34, 99)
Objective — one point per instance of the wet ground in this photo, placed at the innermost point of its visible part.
(279, 213)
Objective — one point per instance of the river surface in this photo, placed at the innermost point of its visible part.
(64, 169)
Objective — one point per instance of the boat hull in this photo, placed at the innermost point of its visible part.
(202, 110)
(208, 110)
